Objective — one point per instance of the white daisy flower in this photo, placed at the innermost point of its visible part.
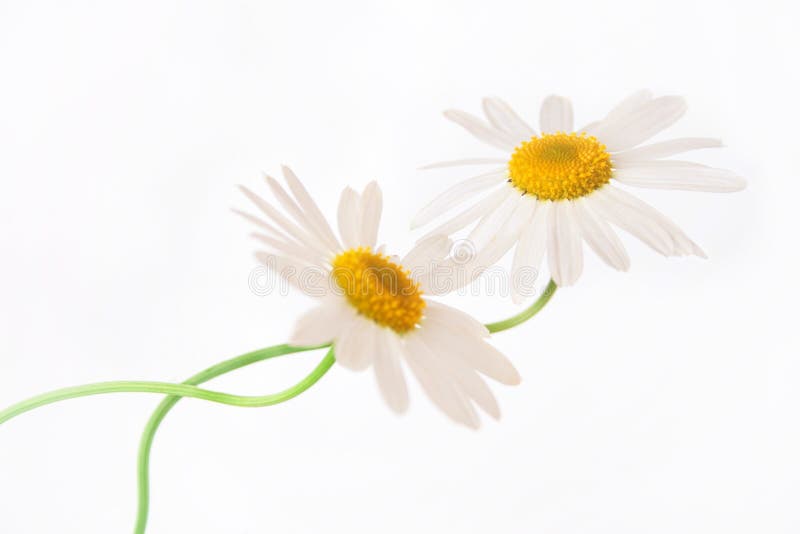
(557, 189)
(372, 306)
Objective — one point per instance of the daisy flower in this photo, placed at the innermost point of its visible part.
(556, 189)
(373, 307)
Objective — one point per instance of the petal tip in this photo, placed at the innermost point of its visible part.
(399, 407)
(513, 378)
(699, 252)
(739, 184)
(473, 423)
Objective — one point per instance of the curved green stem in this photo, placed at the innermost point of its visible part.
(164, 388)
(146, 443)
(526, 314)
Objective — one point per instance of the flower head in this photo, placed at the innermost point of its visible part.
(557, 189)
(372, 306)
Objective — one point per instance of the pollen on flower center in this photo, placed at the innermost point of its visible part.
(560, 166)
(379, 289)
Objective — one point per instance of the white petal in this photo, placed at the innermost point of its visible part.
(439, 387)
(419, 259)
(467, 380)
(530, 252)
(370, 219)
(658, 164)
(474, 351)
(666, 148)
(389, 372)
(291, 249)
(264, 225)
(354, 347)
(476, 388)
(464, 161)
(473, 386)
(556, 115)
(310, 208)
(629, 104)
(503, 117)
(488, 242)
(680, 242)
(465, 218)
(349, 216)
(509, 233)
(308, 278)
(456, 318)
(599, 235)
(679, 175)
(625, 107)
(631, 220)
(322, 324)
(491, 223)
(482, 131)
(461, 268)
(564, 246)
(456, 194)
(640, 124)
(286, 201)
(441, 277)
(296, 232)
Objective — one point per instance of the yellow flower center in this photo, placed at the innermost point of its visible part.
(560, 166)
(379, 289)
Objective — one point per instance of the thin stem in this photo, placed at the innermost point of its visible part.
(526, 314)
(146, 443)
(176, 392)
(164, 388)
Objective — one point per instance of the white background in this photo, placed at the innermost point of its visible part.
(659, 400)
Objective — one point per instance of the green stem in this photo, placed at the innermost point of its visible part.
(526, 314)
(146, 443)
(164, 388)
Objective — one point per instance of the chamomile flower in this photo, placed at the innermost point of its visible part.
(557, 189)
(372, 306)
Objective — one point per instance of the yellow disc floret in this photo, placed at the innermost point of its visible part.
(560, 166)
(379, 289)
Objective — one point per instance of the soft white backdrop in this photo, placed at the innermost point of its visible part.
(656, 401)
